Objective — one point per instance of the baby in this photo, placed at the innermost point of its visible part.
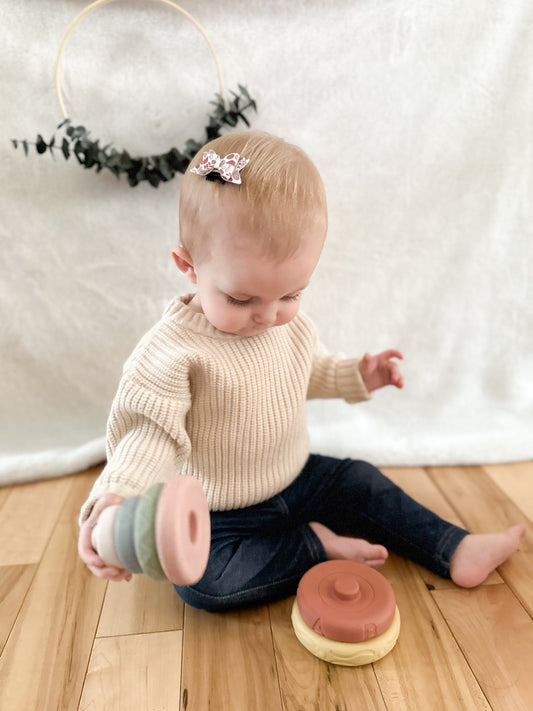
(217, 390)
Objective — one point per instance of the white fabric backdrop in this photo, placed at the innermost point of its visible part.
(419, 116)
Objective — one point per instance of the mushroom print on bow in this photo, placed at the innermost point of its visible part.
(228, 167)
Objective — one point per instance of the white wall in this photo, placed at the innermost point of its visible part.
(418, 115)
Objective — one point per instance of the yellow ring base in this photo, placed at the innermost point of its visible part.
(348, 654)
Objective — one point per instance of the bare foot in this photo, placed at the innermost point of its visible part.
(479, 554)
(346, 548)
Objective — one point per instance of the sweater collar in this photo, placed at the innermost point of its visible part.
(182, 314)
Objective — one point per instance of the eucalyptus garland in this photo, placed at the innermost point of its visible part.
(156, 168)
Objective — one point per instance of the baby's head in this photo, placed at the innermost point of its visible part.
(251, 247)
(280, 198)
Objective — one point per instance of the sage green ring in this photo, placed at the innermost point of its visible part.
(124, 534)
(144, 533)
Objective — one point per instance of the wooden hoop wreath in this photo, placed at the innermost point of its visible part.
(153, 169)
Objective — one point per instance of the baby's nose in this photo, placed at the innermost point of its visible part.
(266, 315)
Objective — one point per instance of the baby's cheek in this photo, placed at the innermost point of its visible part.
(227, 319)
(287, 313)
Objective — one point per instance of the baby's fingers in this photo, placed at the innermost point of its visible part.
(392, 353)
(108, 572)
(396, 377)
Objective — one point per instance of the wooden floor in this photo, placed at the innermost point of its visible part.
(70, 641)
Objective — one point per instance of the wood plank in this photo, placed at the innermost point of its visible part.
(516, 480)
(228, 662)
(15, 581)
(496, 636)
(426, 669)
(134, 672)
(140, 606)
(416, 482)
(28, 517)
(44, 661)
(4, 494)
(485, 508)
(308, 683)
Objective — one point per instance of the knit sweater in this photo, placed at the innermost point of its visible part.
(227, 410)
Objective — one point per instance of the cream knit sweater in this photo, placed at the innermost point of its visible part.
(228, 410)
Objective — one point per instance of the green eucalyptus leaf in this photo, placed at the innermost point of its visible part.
(41, 145)
(164, 169)
(79, 132)
(125, 161)
(177, 161)
(65, 149)
(193, 146)
(244, 92)
(153, 178)
(231, 119)
(113, 161)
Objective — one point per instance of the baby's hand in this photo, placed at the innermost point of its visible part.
(85, 548)
(379, 370)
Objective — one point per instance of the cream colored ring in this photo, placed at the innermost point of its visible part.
(103, 537)
(99, 3)
(349, 654)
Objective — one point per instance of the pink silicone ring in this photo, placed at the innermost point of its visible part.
(183, 530)
(346, 601)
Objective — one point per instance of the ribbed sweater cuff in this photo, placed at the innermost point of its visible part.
(349, 381)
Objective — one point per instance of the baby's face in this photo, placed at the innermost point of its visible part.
(241, 290)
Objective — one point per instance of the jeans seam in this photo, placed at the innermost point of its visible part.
(282, 504)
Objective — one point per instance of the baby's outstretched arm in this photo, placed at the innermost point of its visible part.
(85, 549)
(380, 370)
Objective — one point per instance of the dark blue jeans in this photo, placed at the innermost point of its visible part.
(259, 553)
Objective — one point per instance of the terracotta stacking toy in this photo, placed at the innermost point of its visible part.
(164, 533)
(345, 613)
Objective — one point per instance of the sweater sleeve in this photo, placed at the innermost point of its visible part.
(146, 441)
(333, 376)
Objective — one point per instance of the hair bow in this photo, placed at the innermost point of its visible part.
(228, 167)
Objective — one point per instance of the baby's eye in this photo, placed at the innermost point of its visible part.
(236, 302)
(292, 297)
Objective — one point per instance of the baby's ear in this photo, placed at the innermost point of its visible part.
(184, 263)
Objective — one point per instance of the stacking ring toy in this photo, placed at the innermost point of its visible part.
(164, 533)
(345, 613)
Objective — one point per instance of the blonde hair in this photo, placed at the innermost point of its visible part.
(281, 194)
